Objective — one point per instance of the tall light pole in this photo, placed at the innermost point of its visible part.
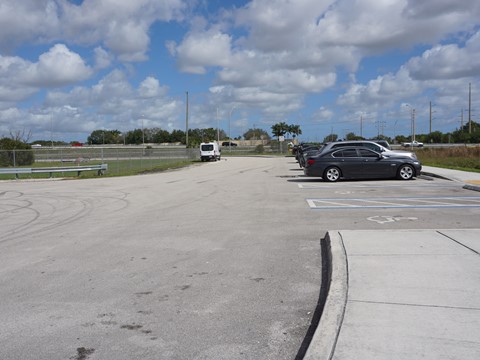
(413, 124)
(143, 132)
(229, 128)
(51, 129)
(394, 131)
(412, 118)
(218, 128)
(469, 108)
(430, 118)
(361, 125)
(186, 120)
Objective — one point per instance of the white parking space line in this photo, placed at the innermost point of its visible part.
(401, 202)
(312, 203)
(384, 203)
(329, 186)
(431, 202)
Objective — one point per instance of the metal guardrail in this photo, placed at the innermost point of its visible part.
(101, 168)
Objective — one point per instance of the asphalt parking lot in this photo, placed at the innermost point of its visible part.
(218, 260)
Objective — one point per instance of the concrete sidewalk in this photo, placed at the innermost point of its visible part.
(416, 296)
(471, 180)
(402, 294)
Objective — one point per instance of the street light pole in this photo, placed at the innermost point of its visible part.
(412, 119)
(229, 128)
(469, 108)
(143, 132)
(430, 118)
(218, 128)
(394, 131)
(51, 129)
(186, 121)
(361, 125)
(413, 124)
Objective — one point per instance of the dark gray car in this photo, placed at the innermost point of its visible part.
(361, 163)
(372, 145)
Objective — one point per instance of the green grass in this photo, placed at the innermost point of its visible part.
(115, 168)
(458, 158)
(135, 167)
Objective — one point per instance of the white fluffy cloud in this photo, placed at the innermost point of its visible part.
(57, 67)
(273, 57)
(113, 94)
(440, 68)
(381, 92)
(298, 47)
(150, 87)
(102, 58)
(448, 61)
(120, 26)
(203, 49)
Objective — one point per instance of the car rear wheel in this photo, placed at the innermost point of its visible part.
(331, 174)
(405, 172)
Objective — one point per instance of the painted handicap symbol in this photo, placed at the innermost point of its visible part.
(388, 219)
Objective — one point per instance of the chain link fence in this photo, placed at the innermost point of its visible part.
(120, 160)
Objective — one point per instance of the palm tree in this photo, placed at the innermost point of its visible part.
(294, 130)
(280, 129)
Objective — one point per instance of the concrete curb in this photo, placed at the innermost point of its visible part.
(467, 186)
(471, 187)
(430, 174)
(326, 335)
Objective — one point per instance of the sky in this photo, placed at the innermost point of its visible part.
(69, 67)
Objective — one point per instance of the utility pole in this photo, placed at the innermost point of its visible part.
(430, 117)
(361, 126)
(143, 131)
(469, 108)
(380, 125)
(461, 117)
(51, 129)
(186, 121)
(413, 124)
(218, 129)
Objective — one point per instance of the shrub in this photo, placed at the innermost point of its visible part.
(15, 153)
(260, 149)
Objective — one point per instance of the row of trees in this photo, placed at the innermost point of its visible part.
(282, 129)
(159, 136)
(459, 136)
(466, 134)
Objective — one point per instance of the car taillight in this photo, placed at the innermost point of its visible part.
(310, 161)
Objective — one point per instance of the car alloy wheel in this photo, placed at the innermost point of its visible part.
(405, 172)
(332, 174)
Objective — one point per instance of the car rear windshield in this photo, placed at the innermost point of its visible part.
(208, 147)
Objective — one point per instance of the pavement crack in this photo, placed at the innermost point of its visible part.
(459, 243)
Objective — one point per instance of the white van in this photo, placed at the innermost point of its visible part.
(209, 151)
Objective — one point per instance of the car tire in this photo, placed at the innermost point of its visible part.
(405, 172)
(332, 174)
